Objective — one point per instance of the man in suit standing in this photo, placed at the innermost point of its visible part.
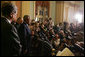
(10, 42)
(18, 23)
(24, 34)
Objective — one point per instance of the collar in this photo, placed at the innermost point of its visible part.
(25, 23)
(7, 19)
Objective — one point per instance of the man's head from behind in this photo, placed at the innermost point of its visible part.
(27, 19)
(20, 20)
(9, 10)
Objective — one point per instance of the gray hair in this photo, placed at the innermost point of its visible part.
(8, 8)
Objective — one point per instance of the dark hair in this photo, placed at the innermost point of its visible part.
(60, 23)
(50, 18)
(32, 24)
(19, 18)
(65, 23)
(25, 17)
(8, 8)
(71, 23)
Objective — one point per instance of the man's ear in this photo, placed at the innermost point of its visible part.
(11, 15)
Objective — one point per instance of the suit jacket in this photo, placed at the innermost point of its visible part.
(17, 26)
(10, 42)
(24, 34)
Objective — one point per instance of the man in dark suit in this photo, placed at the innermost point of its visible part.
(24, 34)
(18, 23)
(10, 42)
